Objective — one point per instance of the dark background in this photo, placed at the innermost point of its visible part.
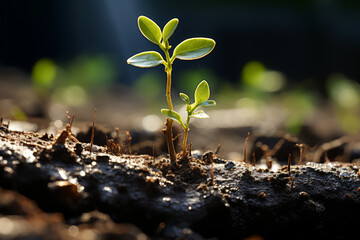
(303, 39)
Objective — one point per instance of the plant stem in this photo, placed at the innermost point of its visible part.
(186, 136)
(168, 90)
(168, 69)
(169, 122)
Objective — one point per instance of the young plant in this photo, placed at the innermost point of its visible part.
(189, 49)
(202, 94)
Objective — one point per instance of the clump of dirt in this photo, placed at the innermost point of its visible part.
(202, 197)
(20, 218)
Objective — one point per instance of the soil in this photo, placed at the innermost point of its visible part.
(58, 187)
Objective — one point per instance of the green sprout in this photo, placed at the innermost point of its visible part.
(189, 49)
(202, 94)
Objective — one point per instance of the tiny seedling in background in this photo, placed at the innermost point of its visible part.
(189, 49)
(202, 94)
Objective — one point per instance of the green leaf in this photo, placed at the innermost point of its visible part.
(199, 114)
(208, 103)
(170, 28)
(185, 98)
(149, 29)
(194, 48)
(173, 115)
(202, 92)
(146, 59)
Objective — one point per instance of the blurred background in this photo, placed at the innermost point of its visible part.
(288, 66)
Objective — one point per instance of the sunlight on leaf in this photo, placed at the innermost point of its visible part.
(170, 28)
(185, 98)
(173, 115)
(209, 103)
(194, 48)
(149, 29)
(202, 92)
(146, 59)
(199, 114)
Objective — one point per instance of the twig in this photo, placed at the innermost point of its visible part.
(246, 140)
(212, 169)
(301, 149)
(128, 141)
(269, 163)
(217, 149)
(289, 163)
(254, 159)
(72, 120)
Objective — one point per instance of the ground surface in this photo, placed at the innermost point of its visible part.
(110, 194)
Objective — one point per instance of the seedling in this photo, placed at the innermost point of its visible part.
(189, 49)
(202, 94)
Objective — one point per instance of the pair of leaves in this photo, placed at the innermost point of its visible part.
(152, 31)
(190, 49)
(202, 94)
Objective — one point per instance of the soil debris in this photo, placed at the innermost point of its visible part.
(199, 197)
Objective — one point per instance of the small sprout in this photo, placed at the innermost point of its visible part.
(246, 140)
(189, 49)
(202, 94)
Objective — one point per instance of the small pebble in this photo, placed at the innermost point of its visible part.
(196, 154)
(78, 149)
(344, 174)
(229, 165)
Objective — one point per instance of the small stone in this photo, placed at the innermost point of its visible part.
(344, 174)
(196, 154)
(78, 149)
(229, 165)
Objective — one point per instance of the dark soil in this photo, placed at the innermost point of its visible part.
(109, 193)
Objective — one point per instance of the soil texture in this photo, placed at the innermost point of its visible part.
(56, 187)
